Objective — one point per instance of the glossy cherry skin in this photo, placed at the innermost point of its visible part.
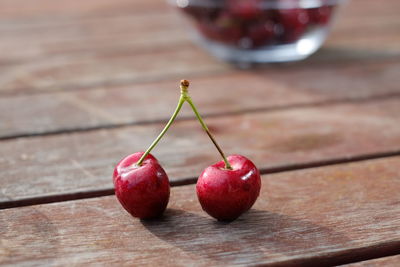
(142, 190)
(226, 194)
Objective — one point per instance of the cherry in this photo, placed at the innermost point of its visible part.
(249, 24)
(261, 33)
(225, 190)
(294, 22)
(247, 9)
(230, 187)
(142, 190)
(320, 15)
(225, 28)
(227, 193)
(141, 184)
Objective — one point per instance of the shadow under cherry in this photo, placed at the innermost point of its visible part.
(257, 236)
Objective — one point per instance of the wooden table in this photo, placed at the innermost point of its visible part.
(84, 83)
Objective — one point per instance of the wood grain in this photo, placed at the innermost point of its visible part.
(322, 216)
(236, 92)
(76, 50)
(98, 78)
(92, 70)
(392, 261)
(63, 36)
(81, 162)
(17, 9)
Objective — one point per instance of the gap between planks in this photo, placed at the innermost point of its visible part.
(390, 260)
(115, 82)
(331, 102)
(222, 69)
(356, 246)
(345, 257)
(191, 180)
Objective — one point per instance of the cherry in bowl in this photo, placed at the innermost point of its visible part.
(259, 31)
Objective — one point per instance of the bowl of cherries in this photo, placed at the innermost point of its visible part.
(259, 31)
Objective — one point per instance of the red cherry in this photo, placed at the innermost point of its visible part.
(261, 33)
(226, 194)
(224, 29)
(320, 15)
(294, 22)
(142, 190)
(244, 9)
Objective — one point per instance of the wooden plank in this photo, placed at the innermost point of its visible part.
(361, 8)
(226, 93)
(103, 42)
(22, 9)
(163, 28)
(83, 162)
(120, 33)
(92, 70)
(392, 261)
(52, 16)
(323, 216)
(79, 53)
(89, 36)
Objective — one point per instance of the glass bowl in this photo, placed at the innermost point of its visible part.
(259, 31)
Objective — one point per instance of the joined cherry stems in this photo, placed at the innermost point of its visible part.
(185, 97)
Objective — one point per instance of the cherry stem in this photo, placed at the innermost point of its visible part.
(185, 97)
(185, 94)
(171, 120)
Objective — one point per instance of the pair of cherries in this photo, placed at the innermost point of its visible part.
(225, 189)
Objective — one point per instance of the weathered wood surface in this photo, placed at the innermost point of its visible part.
(20, 9)
(71, 37)
(59, 33)
(236, 92)
(71, 70)
(76, 50)
(320, 216)
(92, 70)
(393, 261)
(80, 162)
